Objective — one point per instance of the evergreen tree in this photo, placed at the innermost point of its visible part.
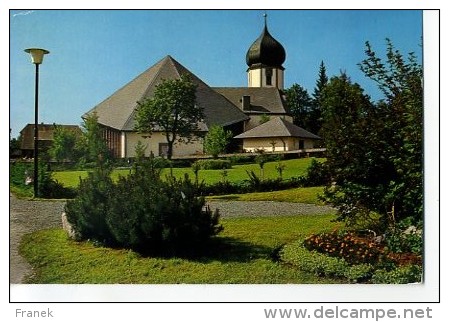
(299, 104)
(315, 111)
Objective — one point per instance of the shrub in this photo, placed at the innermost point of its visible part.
(51, 188)
(255, 184)
(241, 159)
(401, 275)
(47, 186)
(88, 211)
(317, 174)
(214, 164)
(322, 265)
(359, 273)
(405, 238)
(142, 212)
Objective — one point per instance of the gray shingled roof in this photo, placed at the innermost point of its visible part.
(118, 110)
(277, 127)
(268, 100)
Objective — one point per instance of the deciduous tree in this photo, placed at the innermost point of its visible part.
(375, 150)
(216, 140)
(173, 111)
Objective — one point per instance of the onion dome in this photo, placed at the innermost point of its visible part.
(265, 51)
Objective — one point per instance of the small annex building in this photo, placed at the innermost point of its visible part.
(242, 110)
(277, 135)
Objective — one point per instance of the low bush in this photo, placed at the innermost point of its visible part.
(88, 211)
(241, 159)
(142, 212)
(401, 275)
(405, 237)
(317, 174)
(322, 265)
(20, 178)
(213, 164)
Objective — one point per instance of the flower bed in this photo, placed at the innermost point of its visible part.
(356, 258)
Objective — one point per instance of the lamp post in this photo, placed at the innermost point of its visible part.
(37, 56)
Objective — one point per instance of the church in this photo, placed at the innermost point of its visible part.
(257, 115)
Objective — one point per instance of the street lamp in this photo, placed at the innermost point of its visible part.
(37, 56)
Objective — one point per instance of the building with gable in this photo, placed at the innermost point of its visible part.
(241, 110)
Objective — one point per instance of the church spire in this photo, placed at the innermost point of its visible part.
(264, 59)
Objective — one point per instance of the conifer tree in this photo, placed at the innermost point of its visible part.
(316, 108)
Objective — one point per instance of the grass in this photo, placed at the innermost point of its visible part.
(293, 168)
(241, 254)
(301, 195)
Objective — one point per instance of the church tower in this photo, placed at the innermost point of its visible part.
(264, 59)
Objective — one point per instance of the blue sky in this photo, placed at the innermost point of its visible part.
(94, 53)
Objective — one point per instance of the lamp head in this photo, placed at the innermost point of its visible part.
(37, 55)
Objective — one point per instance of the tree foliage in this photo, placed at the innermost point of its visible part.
(142, 212)
(92, 145)
(299, 103)
(216, 140)
(400, 79)
(63, 146)
(315, 107)
(173, 111)
(375, 150)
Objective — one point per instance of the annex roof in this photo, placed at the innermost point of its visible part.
(118, 110)
(264, 100)
(277, 127)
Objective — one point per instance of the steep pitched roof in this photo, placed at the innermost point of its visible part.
(269, 100)
(118, 110)
(277, 127)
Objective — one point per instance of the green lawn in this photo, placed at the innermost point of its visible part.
(301, 195)
(293, 168)
(242, 253)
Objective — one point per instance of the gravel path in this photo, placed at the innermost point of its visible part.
(229, 209)
(27, 216)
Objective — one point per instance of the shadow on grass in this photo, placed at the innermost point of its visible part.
(222, 249)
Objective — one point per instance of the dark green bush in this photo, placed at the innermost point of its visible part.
(256, 184)
(142, 212)
(241, 159)
(47, 186)
(88, 211)
(214, 164)
(322, 265)
(400, 275)
(317, 174)
(405, 238)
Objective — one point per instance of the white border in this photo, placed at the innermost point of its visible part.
(426, 292)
